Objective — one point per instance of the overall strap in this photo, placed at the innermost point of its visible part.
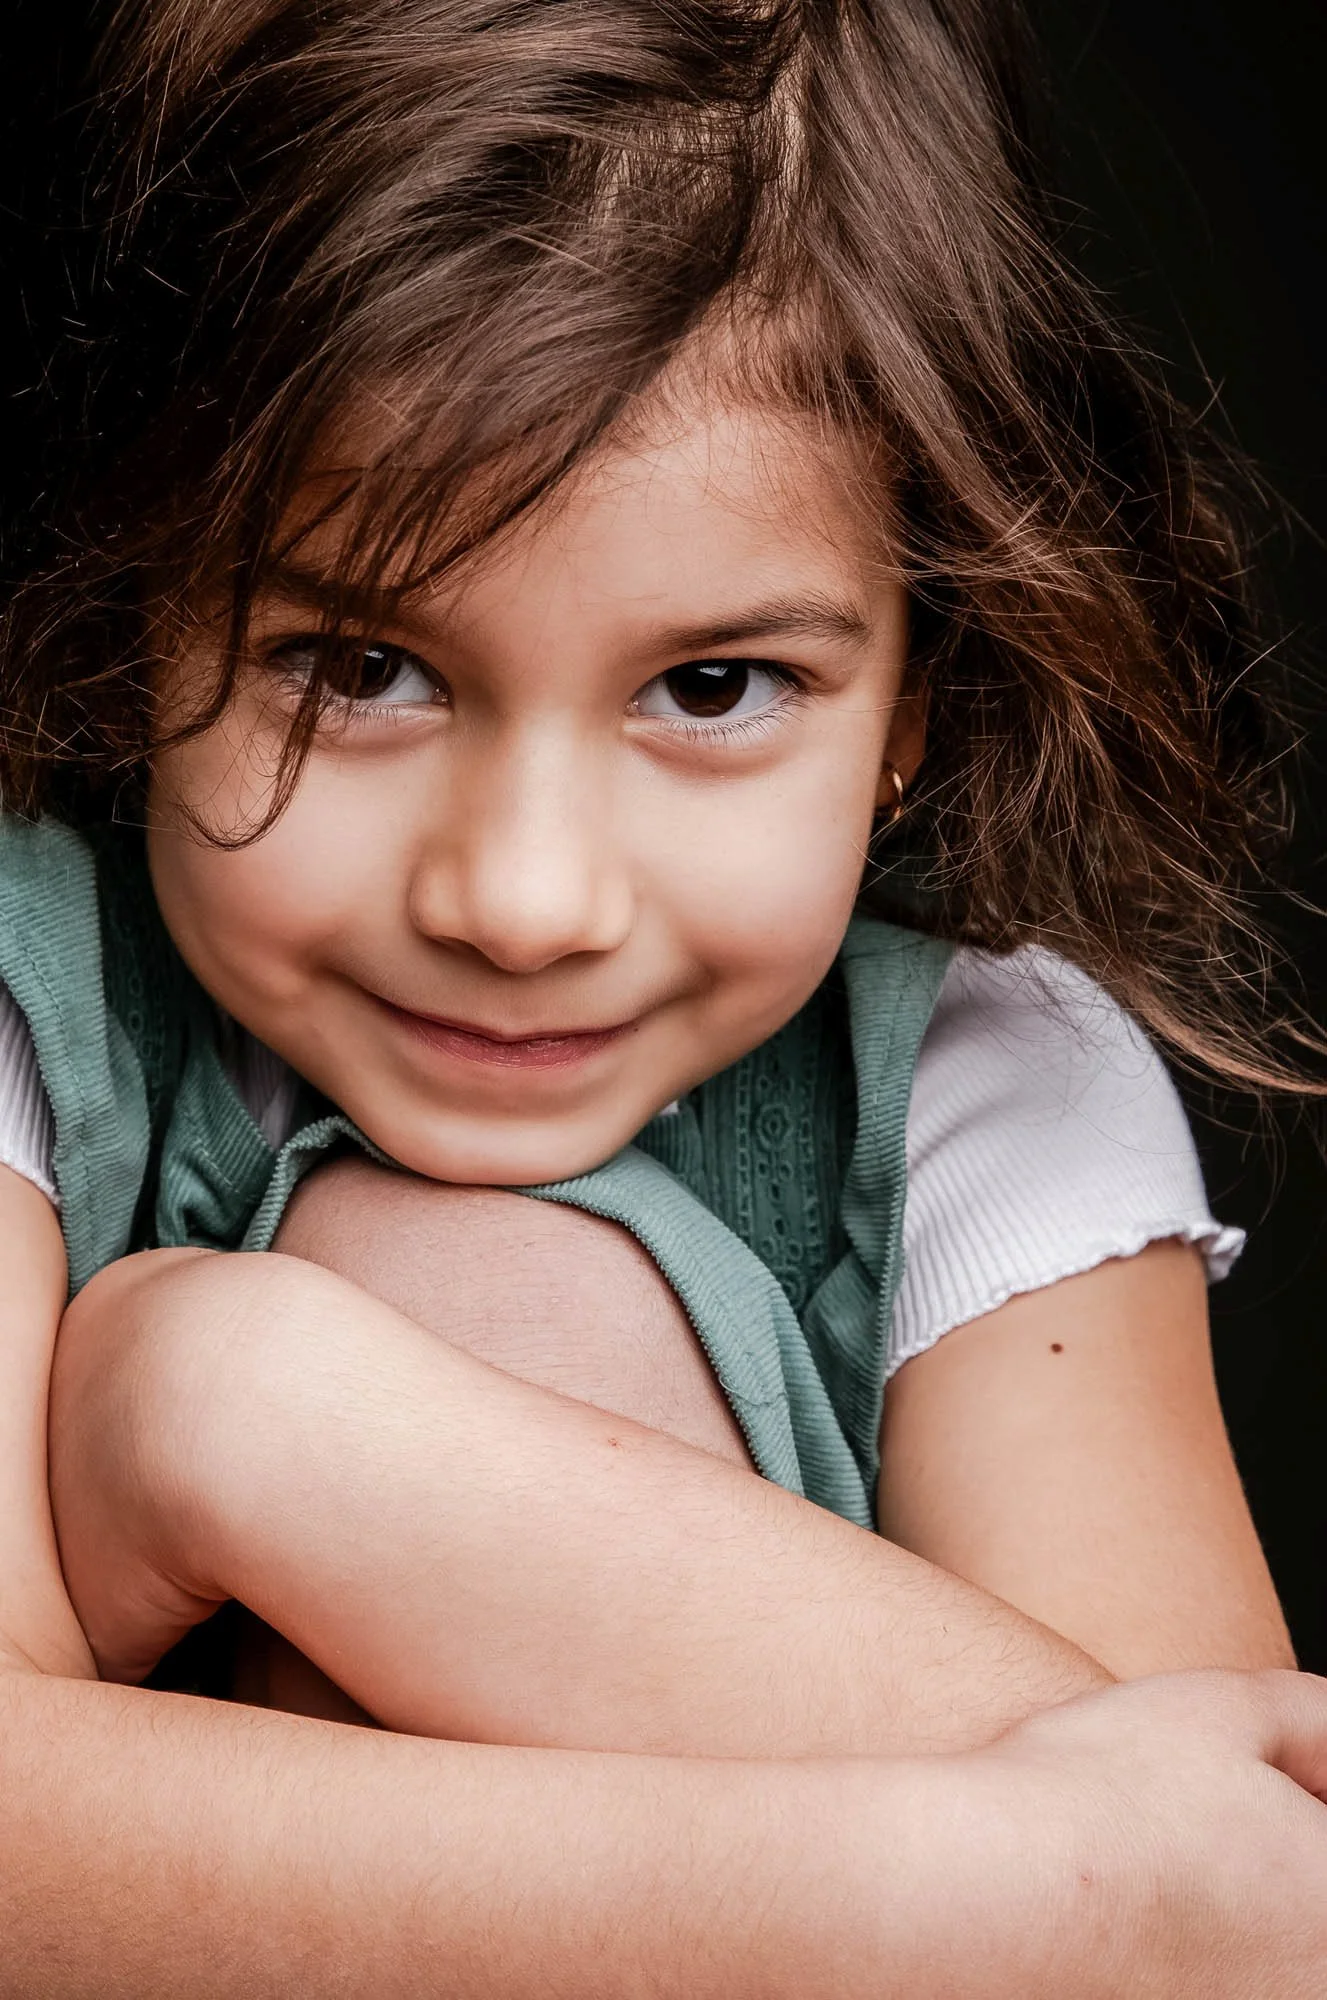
(58, 965)
(152, 1142)
(766, 1142)
(893, 978)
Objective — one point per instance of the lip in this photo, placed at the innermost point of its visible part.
(480, 1045)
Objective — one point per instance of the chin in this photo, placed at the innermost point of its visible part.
(515, 1155)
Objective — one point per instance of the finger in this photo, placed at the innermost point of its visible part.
(1294, 1727)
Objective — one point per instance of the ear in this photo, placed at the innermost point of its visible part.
(905, 744)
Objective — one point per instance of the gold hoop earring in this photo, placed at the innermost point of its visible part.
(890, 811)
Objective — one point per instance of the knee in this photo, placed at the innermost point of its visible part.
(456, 1258)
(355, 1217)
(549, 1293)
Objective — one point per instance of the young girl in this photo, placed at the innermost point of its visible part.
(609, 463)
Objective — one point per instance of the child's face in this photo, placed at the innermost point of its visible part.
(596, 832)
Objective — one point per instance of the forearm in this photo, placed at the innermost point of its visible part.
(528, 1569)
(153, 1845)
(156, 1845)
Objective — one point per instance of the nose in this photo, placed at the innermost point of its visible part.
(525, 862)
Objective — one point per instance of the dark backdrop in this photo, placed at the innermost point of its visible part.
(1191, 137)
(1191, 146)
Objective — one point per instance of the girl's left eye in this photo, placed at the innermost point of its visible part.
(368, 673)
(716, 691)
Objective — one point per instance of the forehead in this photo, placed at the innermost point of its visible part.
(687, 499)
(751, 473)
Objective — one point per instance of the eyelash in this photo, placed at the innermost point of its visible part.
(742, 727)
(280, 659)
(716, 731)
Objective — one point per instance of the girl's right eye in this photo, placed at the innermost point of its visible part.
(367, 673)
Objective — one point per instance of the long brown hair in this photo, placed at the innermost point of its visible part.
(503, 218)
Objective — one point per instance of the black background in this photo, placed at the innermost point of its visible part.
(1191, 135)
(1190, 144)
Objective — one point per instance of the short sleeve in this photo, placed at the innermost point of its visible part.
(1044, 1136)
(27, 1129)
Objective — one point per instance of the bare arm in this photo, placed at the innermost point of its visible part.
(470, 1556)
(157, 1845)
(1067, 1452)
(153, 1845)
(37, 1623)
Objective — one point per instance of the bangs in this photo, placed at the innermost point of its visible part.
(402, 494)
(481, 277)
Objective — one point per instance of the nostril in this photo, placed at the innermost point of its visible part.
(526, 924)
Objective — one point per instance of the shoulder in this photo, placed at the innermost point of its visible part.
(1038, 1034)
(95, 1054)
(1044, 1136)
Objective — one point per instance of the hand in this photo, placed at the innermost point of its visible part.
(1178, 1823)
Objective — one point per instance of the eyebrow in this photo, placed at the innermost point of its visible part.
(806, 615)
(364, 603)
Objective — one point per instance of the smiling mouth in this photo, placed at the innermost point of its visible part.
(507, 1051)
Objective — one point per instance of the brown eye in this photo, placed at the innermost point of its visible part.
(708, 687)
(717, 691)
(359, 671)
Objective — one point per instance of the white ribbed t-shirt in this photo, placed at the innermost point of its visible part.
(1043, 1137)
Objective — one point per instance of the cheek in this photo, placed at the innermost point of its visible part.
(771, 869)
(256, 920)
